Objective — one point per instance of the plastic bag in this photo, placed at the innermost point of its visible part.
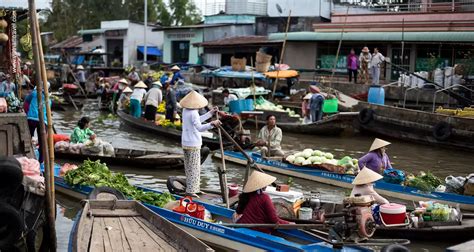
(393, 176)
(93, 148)
(65, 168)
(108, 150)
(454, 185)
(75, 148)
(61, 146)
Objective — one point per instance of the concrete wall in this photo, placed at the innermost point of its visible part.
(221, 32)
(300, 8)
(300, 54)
(197, 36)
(135, 38)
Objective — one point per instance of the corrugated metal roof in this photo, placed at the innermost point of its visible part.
(198, 26)
(91, 31)
(238, 40)
(72, 42)
(377, 36)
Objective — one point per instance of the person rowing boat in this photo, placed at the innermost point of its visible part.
(269, 139)
(255, 206)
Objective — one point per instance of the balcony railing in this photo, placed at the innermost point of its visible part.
(367, 6)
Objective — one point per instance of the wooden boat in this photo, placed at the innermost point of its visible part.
(331, 125)
(227, 238)
(136, 158)
(65, 105)
(344, 180)
(452, 231)
(417, 126)
(211, 142)
(127, 225)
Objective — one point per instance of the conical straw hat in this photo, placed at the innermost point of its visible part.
(258, 180)
(127, 90)
(378, 143)
(175, 68)
(158, 83)
(140, 84)
(123, 81)
(366, 176)
(193, 100)
(308, 96)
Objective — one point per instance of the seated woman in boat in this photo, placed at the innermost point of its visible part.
(377, 159)
(82, 133)
(269, 139)
(364, 185)
(124, 98)
(305, 109)
(255, 206)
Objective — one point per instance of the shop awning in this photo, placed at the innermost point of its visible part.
(151, 50)
(377, 36)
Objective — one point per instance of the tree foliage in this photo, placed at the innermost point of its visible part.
(68, 16)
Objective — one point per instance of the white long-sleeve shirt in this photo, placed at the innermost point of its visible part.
(153, 97)
(192, 127)
(376, 60)
(138, 94)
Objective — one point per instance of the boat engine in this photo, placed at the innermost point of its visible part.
(356, 222)
(233, 125)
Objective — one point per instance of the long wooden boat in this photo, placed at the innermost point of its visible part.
(331, 125)
(226, 238)
(452, 231)
(211, 142)
(127, 225)
(136, 158)
(344, 180)
(65, 105)
(417, 126)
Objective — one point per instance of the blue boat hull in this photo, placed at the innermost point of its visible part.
(344, 181)
(214, 234)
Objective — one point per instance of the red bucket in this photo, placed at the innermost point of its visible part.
(233, 190)
(393, 213)
(195, 210)
(182, 205)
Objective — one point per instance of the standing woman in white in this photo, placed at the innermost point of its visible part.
(191, 139)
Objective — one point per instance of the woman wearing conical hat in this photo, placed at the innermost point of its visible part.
(377, 159)
(364, 185)
(255, 206)
(191, 139)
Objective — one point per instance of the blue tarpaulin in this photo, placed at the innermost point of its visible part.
(151, 50)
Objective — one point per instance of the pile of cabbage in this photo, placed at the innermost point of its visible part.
(309, 157)
(263, 104)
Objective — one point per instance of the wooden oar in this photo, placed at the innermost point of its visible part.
(222, 169)
(274, 226)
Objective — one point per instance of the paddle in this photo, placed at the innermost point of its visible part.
(222, 170)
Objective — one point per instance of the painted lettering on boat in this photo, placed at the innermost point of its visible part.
(336, 176)
(202, 224)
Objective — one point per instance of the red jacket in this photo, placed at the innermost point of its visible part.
(260, 210)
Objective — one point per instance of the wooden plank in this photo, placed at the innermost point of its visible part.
(157, 235)
(116, 235)
(106, 240)
(97, 241)
(114, 213)
(84, 230)
(138, 239)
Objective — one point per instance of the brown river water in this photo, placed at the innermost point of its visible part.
(407, 156)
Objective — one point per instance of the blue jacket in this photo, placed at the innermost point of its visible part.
(316, 102)
(33, 112)
(176, 76)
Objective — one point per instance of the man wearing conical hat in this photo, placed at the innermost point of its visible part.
(255, 206)
(377, 159)
(191, 139)
(176, 75)
(364, 185)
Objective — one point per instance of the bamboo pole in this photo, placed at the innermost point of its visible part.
(339, 48)
(50, 134)
(282, 54)
(254, 90)
(40, 70)
(222, 170)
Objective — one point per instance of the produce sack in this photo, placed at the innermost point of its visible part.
(31, 168)
(3, 105)
(108, 149)
(75, 148)
(61, 146)
(94, 147)
(469, 186)
(65, 168)
(455, 184)
(393, 176)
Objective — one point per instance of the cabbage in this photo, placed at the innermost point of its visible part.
(331, 161)
(316, 160)
(298, 154)
(306, 162)
(328, 155)
(291, 158)
(355, 161)
(310, 150)
(345, 160)
(307, 154)
(279, 106)
(299, 160)
(317, 153)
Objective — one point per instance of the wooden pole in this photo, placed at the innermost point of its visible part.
(222, 170)
(254, 95)
(339, 47)
(41, 74)
(282, 54)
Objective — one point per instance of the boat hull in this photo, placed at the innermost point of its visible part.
(345, 181)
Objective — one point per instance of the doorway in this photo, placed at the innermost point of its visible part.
(115, 52)
(400, 60)
(180, 51)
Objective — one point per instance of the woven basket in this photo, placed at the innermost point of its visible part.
(238, 64)
(263, 58)
(262, 67)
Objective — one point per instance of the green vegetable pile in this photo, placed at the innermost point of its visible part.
(425, 182)
(95, 173)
